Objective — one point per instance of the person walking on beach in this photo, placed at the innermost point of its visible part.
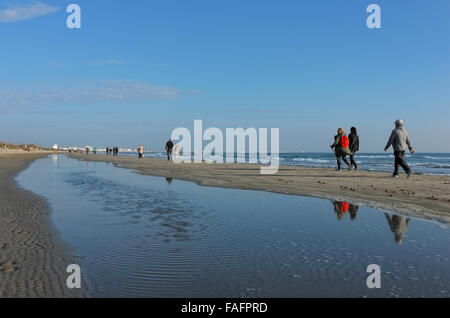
(341, 148)
(399, 140)
(107, 150)
(353, 139)
(140, 151)
(87, 150)
(169, 147)
(95, 151)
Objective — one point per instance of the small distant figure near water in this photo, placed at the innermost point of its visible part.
(140, 150)
(87, 150)
(116, 151)
(353, 139)
(399, 226)
(169, 180)
(341, 149)
(399, 140)
(107, 150)
(169, 147)
(95, 151)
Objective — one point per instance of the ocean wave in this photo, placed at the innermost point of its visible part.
(375, 156)
(437, 158)
(312, 160)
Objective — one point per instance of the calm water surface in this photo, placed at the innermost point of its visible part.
(143, 236)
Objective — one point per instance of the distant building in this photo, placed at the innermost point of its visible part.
(55, 147)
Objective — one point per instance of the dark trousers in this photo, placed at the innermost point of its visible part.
(400, 162)
(169, 154)
(353, 161)
(344, 158)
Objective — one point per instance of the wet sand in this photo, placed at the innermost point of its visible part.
(421, 196)
(32, 258)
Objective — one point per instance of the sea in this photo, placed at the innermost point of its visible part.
(422, 163)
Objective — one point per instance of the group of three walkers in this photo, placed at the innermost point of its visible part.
(344, 146)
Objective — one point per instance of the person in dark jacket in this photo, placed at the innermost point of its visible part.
(169, 147)
(340, 151)
(354, 146)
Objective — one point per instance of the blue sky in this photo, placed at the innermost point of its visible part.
(138, 69)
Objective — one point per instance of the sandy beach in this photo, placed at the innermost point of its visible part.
(423, 196)
(32, 258)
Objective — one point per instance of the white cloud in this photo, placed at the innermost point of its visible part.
(109, 91)
(19, 12)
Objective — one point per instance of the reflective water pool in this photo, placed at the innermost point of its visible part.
(143, 236)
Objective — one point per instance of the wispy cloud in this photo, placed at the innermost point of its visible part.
(13, 101)
(19, 12)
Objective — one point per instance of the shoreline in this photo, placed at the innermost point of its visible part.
(33, 258)
(421, 196)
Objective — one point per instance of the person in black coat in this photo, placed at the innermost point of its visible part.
(353, 139)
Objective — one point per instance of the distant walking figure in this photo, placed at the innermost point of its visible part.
(140, 151)
(169, 147)
(353, 139)
(341, 148)
(107, 150)
(87, 150)
(400, 140)
(95, 151)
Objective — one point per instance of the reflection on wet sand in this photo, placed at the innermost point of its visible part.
(165, 215)
(399, 226)
(342, 207)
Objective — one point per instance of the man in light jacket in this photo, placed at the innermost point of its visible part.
(400, 140)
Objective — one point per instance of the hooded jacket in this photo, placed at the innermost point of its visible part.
(399, 139)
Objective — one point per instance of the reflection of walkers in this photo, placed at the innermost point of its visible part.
(341, 148)
(353, 209)
(342, 207)
(169, 147)
(353, 139)
(399, 226)
(400, 140)
(169, 180)
(140, 151)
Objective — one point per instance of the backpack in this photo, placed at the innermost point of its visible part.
(344, 207)
(344, 142)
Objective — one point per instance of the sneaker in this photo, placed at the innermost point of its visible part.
(409, 174)
(395, 176)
